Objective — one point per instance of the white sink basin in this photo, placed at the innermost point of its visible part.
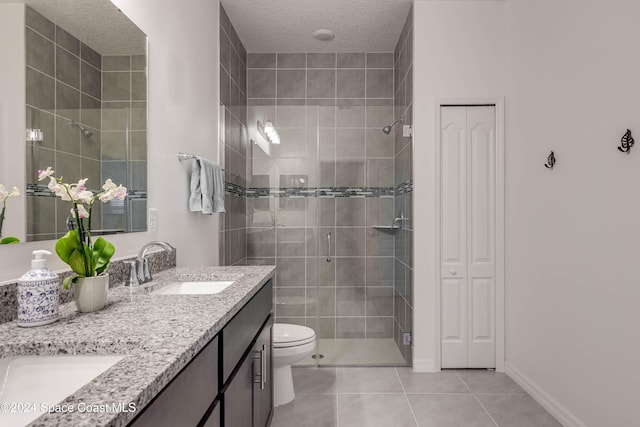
(42, 382)
(194, 288)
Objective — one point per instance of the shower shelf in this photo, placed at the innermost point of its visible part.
(386, 227)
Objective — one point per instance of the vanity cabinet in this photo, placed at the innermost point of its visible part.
(188, 396)
(229, 383)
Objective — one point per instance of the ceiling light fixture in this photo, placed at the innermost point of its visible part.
(323, 35)
(268, 131)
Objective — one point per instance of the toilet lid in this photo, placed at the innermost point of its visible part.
(287, 335)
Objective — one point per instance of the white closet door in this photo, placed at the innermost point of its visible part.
(453, 237)
(468, 237)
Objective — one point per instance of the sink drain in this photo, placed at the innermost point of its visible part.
(319, 356)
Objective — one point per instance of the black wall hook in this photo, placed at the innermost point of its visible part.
(551, 160)
(626, 142)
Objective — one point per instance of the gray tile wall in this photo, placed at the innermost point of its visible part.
(124, 138)
(67, 80)
(343, 101)
(233, 89)
(403, 153)
(63, 83)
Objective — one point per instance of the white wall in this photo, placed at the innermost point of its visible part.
(183, 115)
(573, 281)
(570, 72)
(459, 52)
(12, 119)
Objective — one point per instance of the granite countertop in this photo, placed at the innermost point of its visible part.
(158, 334)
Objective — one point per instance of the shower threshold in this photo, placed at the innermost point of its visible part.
(356, 352)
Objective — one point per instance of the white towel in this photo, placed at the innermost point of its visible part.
(195, 198)
(207, 187)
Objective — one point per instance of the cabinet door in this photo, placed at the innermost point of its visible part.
(238, 403)
(214, 418)
(263, 376)
(186, 399)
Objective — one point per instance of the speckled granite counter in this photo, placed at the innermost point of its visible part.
(158, 334)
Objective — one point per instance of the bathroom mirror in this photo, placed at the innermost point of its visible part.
(86, 112)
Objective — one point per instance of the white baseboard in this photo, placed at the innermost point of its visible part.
(425, 365)
(555, 408)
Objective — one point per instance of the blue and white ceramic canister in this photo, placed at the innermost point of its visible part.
(38, 293)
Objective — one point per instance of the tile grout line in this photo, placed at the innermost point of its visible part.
(476, 398)
(404, 392)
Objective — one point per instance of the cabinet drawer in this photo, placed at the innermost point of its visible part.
(240, 332)
(188, 396)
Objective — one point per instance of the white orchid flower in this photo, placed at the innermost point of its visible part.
(108, 185)
(85, 196)
(120, 192)
(3, 192)
(14, 193)
(42, 174)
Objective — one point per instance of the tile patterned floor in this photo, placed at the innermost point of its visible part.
(397, 397)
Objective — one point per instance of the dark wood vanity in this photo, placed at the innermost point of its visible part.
(229, 382)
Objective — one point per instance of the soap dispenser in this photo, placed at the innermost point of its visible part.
(38, 293)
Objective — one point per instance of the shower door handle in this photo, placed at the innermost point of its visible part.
(328, 247)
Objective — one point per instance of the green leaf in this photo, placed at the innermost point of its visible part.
(102, 253)
(77, 261)
(68, 280)
(66, 245)
(9, 240)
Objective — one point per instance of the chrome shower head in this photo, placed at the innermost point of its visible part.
(387, 129)
(85, 132)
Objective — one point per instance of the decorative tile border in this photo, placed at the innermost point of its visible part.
(296, 192)
(405, 187)
(43, 191)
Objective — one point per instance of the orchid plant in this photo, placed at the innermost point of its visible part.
(4, 196)
(76, 248)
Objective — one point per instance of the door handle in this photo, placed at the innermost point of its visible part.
(260, 378)
(453, 271)
(263, 366)
(328, 247)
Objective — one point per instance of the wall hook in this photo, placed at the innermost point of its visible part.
(626, 142)
(551, 160)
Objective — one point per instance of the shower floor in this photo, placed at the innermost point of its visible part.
(357, 352)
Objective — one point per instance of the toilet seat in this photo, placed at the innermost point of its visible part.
(287, 335)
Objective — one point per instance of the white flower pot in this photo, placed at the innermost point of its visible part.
(90, 293)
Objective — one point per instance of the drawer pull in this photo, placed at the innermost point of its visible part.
(260, 377)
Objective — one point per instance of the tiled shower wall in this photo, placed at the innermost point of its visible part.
(233, 89)
(403, 154)
(63, 79)
(124, 138)
(346, 186)
(67, 80)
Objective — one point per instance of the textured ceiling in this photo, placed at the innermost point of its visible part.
(287, 25)
(97, 23)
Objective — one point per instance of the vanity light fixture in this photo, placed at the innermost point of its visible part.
(268, 131)
(34, 135)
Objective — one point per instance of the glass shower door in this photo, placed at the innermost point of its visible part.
(282, 210)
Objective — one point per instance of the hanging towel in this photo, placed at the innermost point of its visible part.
(218, 189)
(195, 198)
(207, 187)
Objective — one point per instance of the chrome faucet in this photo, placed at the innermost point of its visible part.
(398, 222)
(141, 264)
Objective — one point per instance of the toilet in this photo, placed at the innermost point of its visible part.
(291, 344)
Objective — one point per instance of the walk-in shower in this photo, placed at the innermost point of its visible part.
(330, 205)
